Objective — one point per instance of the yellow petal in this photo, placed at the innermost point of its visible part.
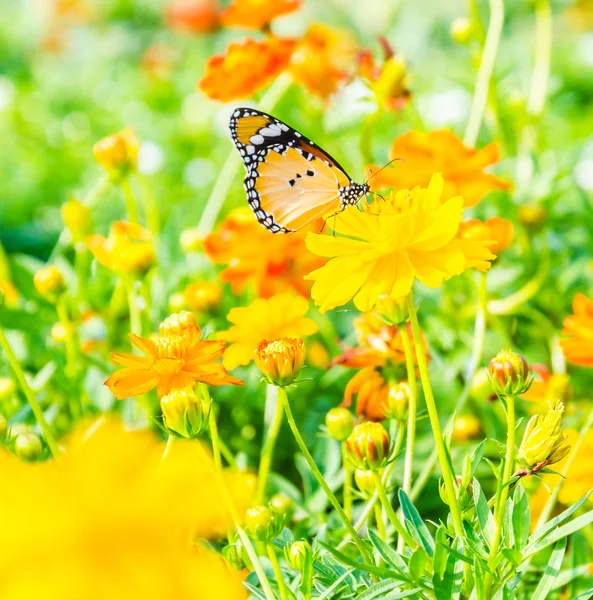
(328, 246)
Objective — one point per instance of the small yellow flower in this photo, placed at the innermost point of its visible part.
(384, 248)
(118, 153)
(544, 441)
(369, 446)
(509, 374)
(184, 412)
(282, 315)
(533, 216)
(467, 427)
(339, 422)
(280, 361)
(77, 219)
(262, 523)
(398, 400)
(203, 296)
(49, 282)
(128, 248)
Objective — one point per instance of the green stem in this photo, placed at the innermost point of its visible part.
(380, 523)
(269, 444)
(4, 265)
(95, 193)
(151, 209)
(474, 363)
(485, 72)
(168, 447)
(228, 173)
(212, 427)
(506, 474)
(543, 55)
(366, 138)
(135, 317)
(80, 266)
(320, 479)
(72, 354)
(393, 518)
(277, 571)
(29, 394)
(130, 200)
(347, 466)
(435, 424)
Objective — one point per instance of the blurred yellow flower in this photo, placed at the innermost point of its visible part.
(443, 152)
(118, 153)
(202, 296)
(547, 388)
(128, 248)
(577, 343)
(177, 359)
(77, 218)
(49, 281)
(9, 293)
(282, 315)
(117, 522)
(467, 427)
(411, 234)
(256, 14)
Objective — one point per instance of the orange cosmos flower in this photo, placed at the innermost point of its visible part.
(245, 67)
(371, 391)
(441, 152)
(195, 16)
(128, 248)
(577, 344)
(178, 358)
(274, 263)
(482, 238)
(280, 316)
(256, 14)
(388, 81)
(323, 59)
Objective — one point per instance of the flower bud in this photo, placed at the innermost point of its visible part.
(281, 504)
(77, 218)
(509, 374)
(8, 294)
(298, 555)
(369, 446)
(339, 422)
(462, 30)
(533, 216)
(280, 361)
(365, 481)
(49, 282)
(182, 326)
(393, 311)
(191, 240)
(544, 442)
(262, 524)
(467, 427)
(398, 401)
(203, 296)
(7, 387)
(27, 446)
(118, 153)
(480, 389)
(3, 428)
(184, 413)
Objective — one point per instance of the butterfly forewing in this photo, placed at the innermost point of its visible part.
(289, 180)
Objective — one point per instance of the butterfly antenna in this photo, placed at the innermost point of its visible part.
(383, 167)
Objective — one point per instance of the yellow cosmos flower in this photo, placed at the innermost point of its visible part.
(384, 248)
(280, 361)
(117, 522)
(282, 315)
(128, 248)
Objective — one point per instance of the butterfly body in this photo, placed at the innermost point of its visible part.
(289, 180)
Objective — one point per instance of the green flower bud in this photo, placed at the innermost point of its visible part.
(298, 555)
(398, 401)
(27, 446)
(262, 523)
(184, 413)
(369, 446)
(509, 374)
(339, 422)
(365, 482)
(281, 504)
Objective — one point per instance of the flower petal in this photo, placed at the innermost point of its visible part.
(131, 382)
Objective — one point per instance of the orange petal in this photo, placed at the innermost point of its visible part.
(131, 382)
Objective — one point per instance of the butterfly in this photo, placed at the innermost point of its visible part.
(289, 181)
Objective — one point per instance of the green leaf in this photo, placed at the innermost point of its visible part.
(255, 591)
(417, 564)
(404, 594)
(330, 590)
(521, 518)
(551, 571)
(414, 523)
(476, 456)
(540, 532)
(387, 553)
(378, 589)
(485, 517)
(568, 575)
(441, 551)
(513, 556)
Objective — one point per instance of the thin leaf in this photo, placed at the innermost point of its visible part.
(568, 575)
(378, 589)
(476, 456)
(521, 518)
(254, 591)
(585, 595)
(560, 532)
(388, 554)
(415, 524)
(404, 594)
(485, 517)
(551, 571)
(417, 564)
(334, 586)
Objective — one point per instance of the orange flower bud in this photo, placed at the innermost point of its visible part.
(339, 422)
(509, 374)
(203, 296)
(118, 153)
(369, 446)
(280, 361)
(49, 282)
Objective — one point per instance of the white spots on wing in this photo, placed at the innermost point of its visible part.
(250, 149)
(257, 139)
(237, 113)
(269, 131)
(283, 126)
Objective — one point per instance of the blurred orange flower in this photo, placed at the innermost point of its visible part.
(274, 263)
(480, 239)
(547, 388)
(256, 14)
(443, 152)
(176, 359)
(388, 80)
(371, 391)
(128, 247)
(282, 315)
(196, 16)
(577, 344)
(245, 67)
(322, 59)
